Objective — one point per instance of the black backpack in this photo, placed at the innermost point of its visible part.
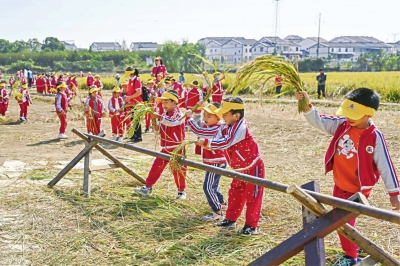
(145, 94)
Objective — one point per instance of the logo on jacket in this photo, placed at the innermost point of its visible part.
(351, 106)
(369, 149)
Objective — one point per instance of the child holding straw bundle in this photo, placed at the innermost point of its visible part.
(24, 100)
(61, 104)
(172, 134)
(94, 111)
(357, 154)
(243, 155)
(4, 98)
(132, 97)
(208, 128)
(117, 114)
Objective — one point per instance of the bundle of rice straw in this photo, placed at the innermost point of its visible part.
(262, 69)
(139, 112)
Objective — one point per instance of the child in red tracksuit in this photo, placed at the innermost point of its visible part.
(217, 89)
(4, 98)
(117, 114)
(151, 102)
(172, 133)
(94, 111)
(24, 100)
(208, 128)
(357, 155)
(61, 103)
(243, 155)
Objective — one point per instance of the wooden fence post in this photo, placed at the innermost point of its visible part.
(315, 249)
(87, 173)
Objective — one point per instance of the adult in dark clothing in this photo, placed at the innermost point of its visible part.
(29, 76)
(321, 78)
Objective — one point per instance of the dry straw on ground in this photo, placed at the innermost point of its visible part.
(41, 226)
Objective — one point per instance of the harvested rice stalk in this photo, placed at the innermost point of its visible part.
(139, 112)
(263, 68)
(178, 153)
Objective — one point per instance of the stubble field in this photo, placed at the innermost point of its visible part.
(42, 226)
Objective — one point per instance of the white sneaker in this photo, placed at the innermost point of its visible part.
(181, 195)
(62, 136)
(212, 217)
(119, 139)
(115, 138)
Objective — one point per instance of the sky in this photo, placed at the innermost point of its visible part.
(87, 21)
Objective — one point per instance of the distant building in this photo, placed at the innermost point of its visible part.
(396, 46)
(222, 40)
(69, 46)
(143, 46)
(105, 46)
(268, 45)
(349, 48)
(235, 51)
(293, 38)
(308, 42)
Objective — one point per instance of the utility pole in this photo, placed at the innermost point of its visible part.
(319, 29)
(276, 23)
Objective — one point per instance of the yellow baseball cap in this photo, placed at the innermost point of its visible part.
(93, 89)
(62, 85)
(211, 108)
(24, 86)
(353, 110)
(116, 89)
(227, 106)
(168, 95)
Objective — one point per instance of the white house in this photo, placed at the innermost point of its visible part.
(69, 46)
(396, 46)
(308, 42)
(293, 38)
(105, 46)
(143, 46)
(268, 45)
(366, 44)
(322, 50)
(214, 50)
(206, 40)
(235, 51)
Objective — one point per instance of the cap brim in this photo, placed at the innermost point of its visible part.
(349, 114)
(159, 99)
(209, 111)
(221, 111)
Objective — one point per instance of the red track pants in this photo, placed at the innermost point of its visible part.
(93, 124)
(147, 120)
(158, 167)
(23, 109)
(349, 247)
(117, 125)
(3, 108)
(241, 193)
(217, 98)
(63, 122)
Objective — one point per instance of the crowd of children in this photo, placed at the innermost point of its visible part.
(357, 154)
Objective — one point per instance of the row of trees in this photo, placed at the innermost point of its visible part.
(52, 56)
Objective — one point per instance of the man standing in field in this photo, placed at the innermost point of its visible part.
(321, 78)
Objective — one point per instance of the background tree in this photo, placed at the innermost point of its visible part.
(53, 44)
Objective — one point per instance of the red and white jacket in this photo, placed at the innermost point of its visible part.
(61, 102)
(172, 130)
(241, 150)
(89, 81)
(205, 132)
(217, 89)
(115, 107)
(90, 106)
(26, 98)
(373, 155)
(194, 95)
(4, 96)
(11, 81)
